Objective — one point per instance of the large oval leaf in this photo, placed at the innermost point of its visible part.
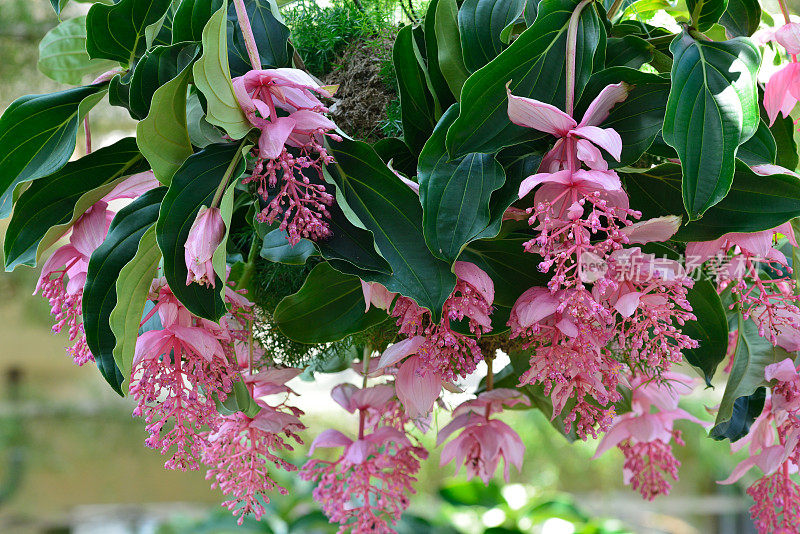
(760, 149)
(191, 17)
(193, 186)
(272, 38)
(391, 211)
(213, 78)
(328, 307)
(455, 194)
(132, 288)
(52, 201)
(417, 109)
(534, 65)
(741, 18)
(436, 80)
(117, 31)
(754, 202)
(448, 46)
(99, 293)
(712, 109)
(705, 13)
(63, 56)
(710, 329)
(480, 23)
(37, 133)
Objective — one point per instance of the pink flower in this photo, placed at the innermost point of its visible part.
(782, 91)
(377, 295)
(300, 202)
(483, 442)
(204, 238)
(644, 437)
(579, 140)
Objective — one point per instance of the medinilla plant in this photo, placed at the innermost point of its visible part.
(599, 190)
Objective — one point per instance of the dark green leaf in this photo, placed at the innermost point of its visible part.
(759, 149)
(192, 187)
(705, 13)
(328, 307)
(117, 31)
(52, 200)
(395, 151)
(712, 109)
(754, 202)
(741, 18)
(629, 51)
(391, 211)
(416, 102)
(99, 294)
(448, 43)
(480, 23)
(436, 80)
(37, 133)
(276, 247)
(455, 194)
(58, 6)
(272, 37)
(783, 133)
(710, 329)
(351, 249)
(745, 411)
(191, 17)
(637, 119)
(534, 64)
(753, 354)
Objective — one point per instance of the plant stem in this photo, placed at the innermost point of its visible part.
(572, 46)
(614, 8)
(88, 132)
(784, 10)
(249, 267)
(223, 185)
(247, 31)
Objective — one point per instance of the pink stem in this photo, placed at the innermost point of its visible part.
(247, 31)
(88, 133)
(784, 10)
(572, 45)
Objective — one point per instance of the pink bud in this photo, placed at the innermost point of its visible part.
(204, 238)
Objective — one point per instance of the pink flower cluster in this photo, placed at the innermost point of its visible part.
(772, 444)
(598, 316)
(645, 433)
(782, 91)
(64, 273)
(283, 105)
(366, 488)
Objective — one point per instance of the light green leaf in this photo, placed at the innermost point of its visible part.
(448, 40)
(63, 56)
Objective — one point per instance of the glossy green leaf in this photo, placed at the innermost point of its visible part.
(705, 13)
(213, 78)
(783, 132)
(395, 152)
(192, 187)
(48, 207)
(759, 149)
(712, 109)
(629, 51)
(533, 64)
(201, 132)
(328, 307)
(455, 194)
(99, 293)
(480, 23)
(191, 17)
(391, 211)
(637, 119)
(753, 354)
(158, 66)
(132, 288)
(741, 17)
(448, 46)
(37, 133)
(417, 106)
(58, 6)
(163, 136)
(754, 202)
(276, 247)
(63, 56)
(351, 249)
(437, 83)
(710, 329)
(117, 32)
(272, 38)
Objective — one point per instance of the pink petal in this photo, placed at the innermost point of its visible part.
(329, 438)
(783, 371)
(90, 229)
(374, 397)
(739, 471)
(133, 186)
(538, 115)
(606, 180)
(606, 138)
(56, 262)
(343, 394)
(150, 345)
(417, 389)
(628, 303)
(657, 230)
(307, 121)
(400, 350)
(476, 277)
(787, 230)
(600, 107)
(273, 137)
(778, 96)
(788, 36)
(767, 169)
(458, 422)
(529, 183)
(590, 155)
(198, 339)
(618, 433)
(697, 252)
(387, 434)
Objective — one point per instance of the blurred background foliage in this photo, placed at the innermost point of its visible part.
(72, 459)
